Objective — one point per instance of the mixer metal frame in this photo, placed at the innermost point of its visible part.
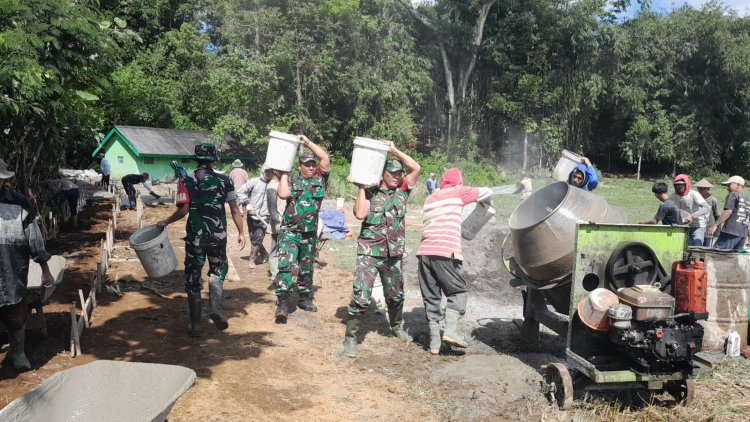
(598, 364)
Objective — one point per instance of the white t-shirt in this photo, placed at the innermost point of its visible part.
(690, 204)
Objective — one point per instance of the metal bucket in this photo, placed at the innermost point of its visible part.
(726, 297)
(543, 229)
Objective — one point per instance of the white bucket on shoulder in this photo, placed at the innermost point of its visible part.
(282, 150)
(567, 162)
(368, 161)
(154, 250)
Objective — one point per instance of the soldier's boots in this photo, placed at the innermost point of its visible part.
(282, 308)
(350, 337)
(74, 220)
(305, 303)
(395, 316)
(215, 298)
(194, 310)
(435, 339)
(451, 335)
(16, 358)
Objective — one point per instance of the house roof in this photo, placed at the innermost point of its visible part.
(152, 142)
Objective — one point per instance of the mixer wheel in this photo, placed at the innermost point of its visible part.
(558, 386)
(633, 263)
(683, 391)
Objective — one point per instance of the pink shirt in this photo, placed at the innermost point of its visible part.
(441, 235)
(239, 177)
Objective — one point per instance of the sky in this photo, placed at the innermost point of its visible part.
(742, 7)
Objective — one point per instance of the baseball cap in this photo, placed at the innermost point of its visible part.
(4, 173)
(393, 166)
(734, 179)
(306, 158)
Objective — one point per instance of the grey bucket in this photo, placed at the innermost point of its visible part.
(154, 250)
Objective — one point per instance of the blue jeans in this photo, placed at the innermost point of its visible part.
(708, 241)
(696, 236)
(729, 241)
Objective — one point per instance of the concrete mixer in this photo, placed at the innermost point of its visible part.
(608, 284)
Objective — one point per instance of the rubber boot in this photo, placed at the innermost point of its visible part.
(75, 220)
(215, 297)
(194, 310)
(306, 304)
(350, 337)
(395, 314)
(451, 336)
(253, 255)
(435, 339)
(16, 356)
(282, 308)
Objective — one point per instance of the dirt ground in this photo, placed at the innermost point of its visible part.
(261, 370)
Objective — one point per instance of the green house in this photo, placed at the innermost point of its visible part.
(134, 149)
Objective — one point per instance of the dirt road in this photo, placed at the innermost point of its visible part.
(259, 370)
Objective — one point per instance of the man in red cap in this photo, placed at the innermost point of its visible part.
(736, 216)
(692, 208)
(440, 257)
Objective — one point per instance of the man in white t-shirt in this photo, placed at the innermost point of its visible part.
(692, 207)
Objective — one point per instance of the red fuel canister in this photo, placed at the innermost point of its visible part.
(690, 283)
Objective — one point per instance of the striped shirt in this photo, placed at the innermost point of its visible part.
(441, 235)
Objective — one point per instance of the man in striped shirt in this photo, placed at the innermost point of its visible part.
(440, 256)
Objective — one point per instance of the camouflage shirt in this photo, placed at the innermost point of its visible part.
(301, 211)
(383, 231)
(206, 192)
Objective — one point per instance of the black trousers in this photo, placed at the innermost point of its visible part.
(441, 276)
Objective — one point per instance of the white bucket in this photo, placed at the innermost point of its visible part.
(474, 217)
(368, 161)
(154, 250)
(568, 161)
(282, 150)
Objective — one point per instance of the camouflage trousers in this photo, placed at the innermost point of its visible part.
(195, 257)
(367, 270)
(296, 259)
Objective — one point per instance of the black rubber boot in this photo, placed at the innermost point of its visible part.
(282, 309)
(306, 304)
(395, 316)
(215, 297)
(350, 337)
(194, 310)
(16, 357)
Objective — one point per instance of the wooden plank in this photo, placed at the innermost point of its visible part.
(74, 341)
(84, 308)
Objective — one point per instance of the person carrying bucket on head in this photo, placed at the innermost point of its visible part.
(20, 240)
(298, 235)
(584, 175)
(381, 245)
(253, 196)
(440, 258)
(201, 196)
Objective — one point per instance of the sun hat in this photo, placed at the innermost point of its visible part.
(703, 183)
(237, 163)
(4, 173)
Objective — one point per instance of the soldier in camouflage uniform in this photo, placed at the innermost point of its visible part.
(201, 196)
(381, 245)
(299, 228)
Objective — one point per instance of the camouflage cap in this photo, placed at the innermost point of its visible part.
(394, 165)
(306, 158)
(205, 152)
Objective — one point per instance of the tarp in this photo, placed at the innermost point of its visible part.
(334, 223)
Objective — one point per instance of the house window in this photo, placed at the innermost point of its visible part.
(120, 159)
(148, 160)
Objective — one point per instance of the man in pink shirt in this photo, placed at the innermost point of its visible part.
(440, 257)
(238, 174)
